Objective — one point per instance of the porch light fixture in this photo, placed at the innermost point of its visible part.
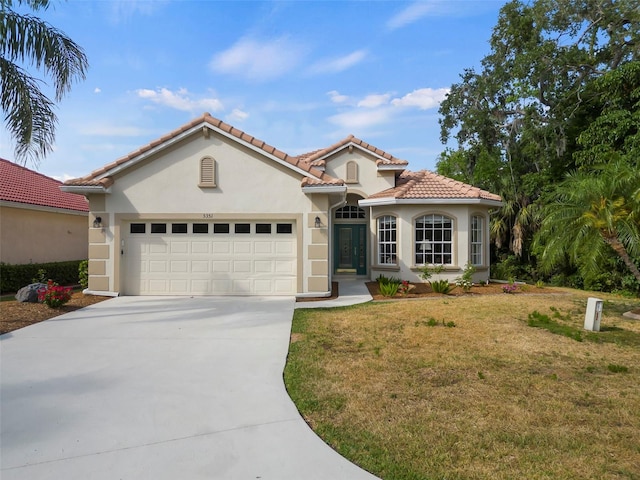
(97, 223)
(318, 222)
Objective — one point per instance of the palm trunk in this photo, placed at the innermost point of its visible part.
(618, 247)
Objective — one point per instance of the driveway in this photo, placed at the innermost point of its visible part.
(158, 388)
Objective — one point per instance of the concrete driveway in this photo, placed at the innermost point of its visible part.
(158, 388)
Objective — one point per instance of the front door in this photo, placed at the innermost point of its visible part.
(350, 254)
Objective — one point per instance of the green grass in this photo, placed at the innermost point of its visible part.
(493, 398)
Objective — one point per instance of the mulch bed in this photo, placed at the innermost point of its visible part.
(15, 315)
(423, 290)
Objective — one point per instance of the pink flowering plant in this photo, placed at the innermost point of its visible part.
(511, 288)
(54, 295)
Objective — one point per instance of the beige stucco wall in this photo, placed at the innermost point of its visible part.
(248, 186)
(370, 179)
(29, 235)
(405, 216)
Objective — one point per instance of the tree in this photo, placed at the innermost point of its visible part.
(591, 214)
(28, 41)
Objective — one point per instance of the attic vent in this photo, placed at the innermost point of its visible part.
(207, 172)
(352, 172)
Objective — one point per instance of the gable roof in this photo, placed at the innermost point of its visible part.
(318, 158)
(21, 185)
(428, 186)
(102, 176)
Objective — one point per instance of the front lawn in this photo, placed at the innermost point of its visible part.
(470, 387)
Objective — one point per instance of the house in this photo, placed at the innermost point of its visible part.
(208, 209)
(38, 222)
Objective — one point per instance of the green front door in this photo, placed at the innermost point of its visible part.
(350, 252)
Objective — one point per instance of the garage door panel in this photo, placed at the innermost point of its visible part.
(209, 264)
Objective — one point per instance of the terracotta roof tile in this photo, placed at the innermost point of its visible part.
(317, 158)
(94, 177)
(425, 184)
(21, 185)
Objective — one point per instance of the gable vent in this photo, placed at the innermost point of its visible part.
(352, 172)
(207, 172)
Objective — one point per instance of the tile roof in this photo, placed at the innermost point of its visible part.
(21, 185)
(318, 157)
(100, 176)
(425, 185)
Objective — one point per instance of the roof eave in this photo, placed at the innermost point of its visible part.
(392, 167)
(85, 189)
(428, 201)
(324, 189)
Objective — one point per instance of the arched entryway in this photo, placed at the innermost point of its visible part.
(350, 234)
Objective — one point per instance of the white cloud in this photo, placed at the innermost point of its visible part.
(373, 101)
(97, 90)
(258, 60)
(411, 14)
(358, 120)
(63, 178)
(336, 65)
(180, 100)
(423, 98)
(237, 115)
(336, 97)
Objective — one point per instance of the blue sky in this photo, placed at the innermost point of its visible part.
(299, 75)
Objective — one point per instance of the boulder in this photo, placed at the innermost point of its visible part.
(30, 292)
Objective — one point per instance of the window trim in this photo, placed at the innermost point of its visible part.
(450, 242)
(390, 243)
(480, 243)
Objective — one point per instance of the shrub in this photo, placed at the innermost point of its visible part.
(14, 277)
(428, 271)
(440, 286)
(83, 274)
(54, 295)
(465, 281)
(389, 289)
(511, 288)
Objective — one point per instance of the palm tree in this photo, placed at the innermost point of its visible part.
(27, 40)
(592, 213)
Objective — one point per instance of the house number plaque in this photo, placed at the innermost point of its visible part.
(207, 215)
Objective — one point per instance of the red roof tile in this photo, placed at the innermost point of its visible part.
(318, 157)
(21, 185)
(95, 177)
(425, 184)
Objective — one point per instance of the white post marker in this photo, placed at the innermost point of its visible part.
(593, 315)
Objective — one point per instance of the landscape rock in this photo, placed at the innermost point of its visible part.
(30, 292)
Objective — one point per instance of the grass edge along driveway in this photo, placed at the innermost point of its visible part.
(461, 388)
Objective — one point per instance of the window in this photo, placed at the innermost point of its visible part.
(263, 228)
(433, 234)
(243, 228)
(207, 172)
(284, 228)
(137, 228)
(178, 228)
(220, 228)
(350, 211)
(477, 247)
(387, 240)
(352, 172)
(158, 228)
(200, 228)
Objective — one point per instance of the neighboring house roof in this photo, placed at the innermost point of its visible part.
(101, 177)
(428, 185)
(21, 185)
(318, 158)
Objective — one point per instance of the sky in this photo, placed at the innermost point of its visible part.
(299, 75)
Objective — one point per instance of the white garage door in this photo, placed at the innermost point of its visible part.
(214, 258)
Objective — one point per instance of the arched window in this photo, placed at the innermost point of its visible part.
(352, 172)
(476, 243)
(350, 211)
(433, 240)
(387, 240)
(207, 172)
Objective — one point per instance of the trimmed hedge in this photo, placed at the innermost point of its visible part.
(14, 277)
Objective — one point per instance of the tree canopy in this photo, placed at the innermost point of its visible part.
(559, 92)
(26, 41)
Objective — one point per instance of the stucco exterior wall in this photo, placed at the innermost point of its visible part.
(370, 179)
(406, 269)
(29, 235)
(248, 186)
